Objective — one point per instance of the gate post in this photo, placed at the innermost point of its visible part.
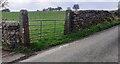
(118, 12)
(68, 22)
(24, 28)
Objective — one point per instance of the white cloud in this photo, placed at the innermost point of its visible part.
(20, 1)
(40, 4)
(27, 1)
(77, 0)
(15, 4)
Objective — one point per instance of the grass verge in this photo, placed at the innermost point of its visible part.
(50, 42)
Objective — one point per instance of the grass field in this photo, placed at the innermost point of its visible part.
(49, 30)
(35, 15)
(52, 30)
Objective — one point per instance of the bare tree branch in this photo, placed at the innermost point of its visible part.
(3, 3)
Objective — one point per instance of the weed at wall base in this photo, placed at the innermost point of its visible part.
(73, 36)
(50, 42)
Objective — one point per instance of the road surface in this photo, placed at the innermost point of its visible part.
(100, 47)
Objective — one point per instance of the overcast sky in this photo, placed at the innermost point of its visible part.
(33, 5)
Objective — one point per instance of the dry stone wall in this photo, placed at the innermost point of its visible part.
(11, 34)
(85, 18)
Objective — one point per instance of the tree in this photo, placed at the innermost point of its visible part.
(59, 8)
(50, 9)
(38, 10)
(5, 10)
(3, 4)
(44, 9)
(76, 6)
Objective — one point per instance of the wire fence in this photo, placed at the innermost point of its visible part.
(40, 29)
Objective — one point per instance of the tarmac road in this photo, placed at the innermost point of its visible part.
(100, 47)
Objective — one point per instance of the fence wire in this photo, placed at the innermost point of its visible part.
(40, 29)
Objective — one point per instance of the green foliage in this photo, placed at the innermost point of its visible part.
(76, 6)
(21, 49)
(37, 46)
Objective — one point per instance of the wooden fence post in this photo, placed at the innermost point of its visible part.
(68, 22)
(24, 28)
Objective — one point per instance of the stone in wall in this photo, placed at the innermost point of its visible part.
(10, 34)
(85, 18)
